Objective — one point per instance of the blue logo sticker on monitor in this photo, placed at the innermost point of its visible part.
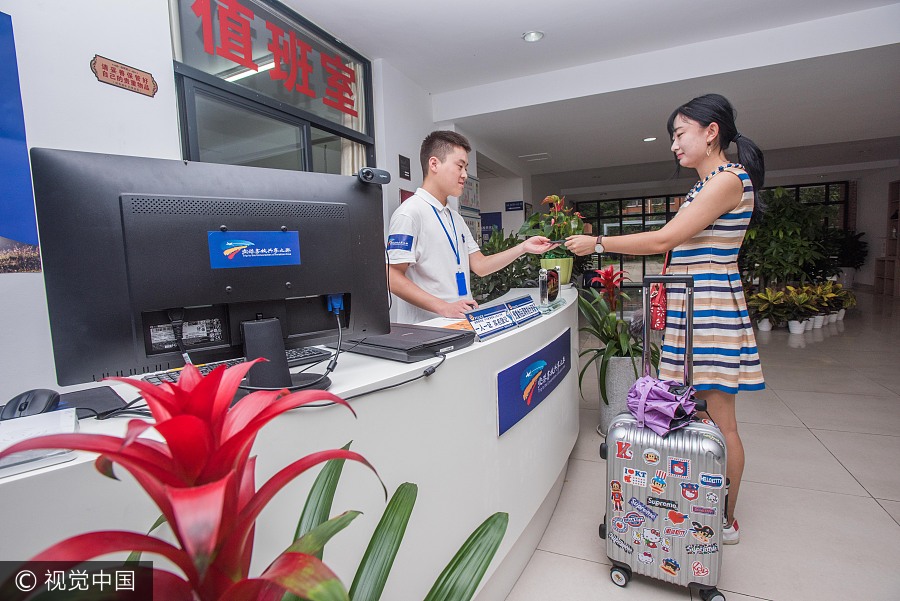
(253, 249)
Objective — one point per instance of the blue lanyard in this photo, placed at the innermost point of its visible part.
(444, 227)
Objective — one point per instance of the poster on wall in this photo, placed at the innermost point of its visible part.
(19, 251)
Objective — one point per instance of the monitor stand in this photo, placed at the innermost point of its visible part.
(263, 338)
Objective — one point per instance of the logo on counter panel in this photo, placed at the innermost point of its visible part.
(524, 385)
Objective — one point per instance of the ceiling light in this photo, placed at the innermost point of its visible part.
(248, 72)
(649, 139)
(533, 36)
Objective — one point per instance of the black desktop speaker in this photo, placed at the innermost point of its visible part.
(263, 338)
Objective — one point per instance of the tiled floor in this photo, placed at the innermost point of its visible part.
(820, 500)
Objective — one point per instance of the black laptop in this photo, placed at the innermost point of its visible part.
(410, 343)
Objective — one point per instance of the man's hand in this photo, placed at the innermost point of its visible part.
(538, 245)
(458, 309)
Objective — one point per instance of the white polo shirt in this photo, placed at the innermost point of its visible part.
(419, 237)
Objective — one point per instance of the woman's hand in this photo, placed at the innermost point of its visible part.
(581, 245)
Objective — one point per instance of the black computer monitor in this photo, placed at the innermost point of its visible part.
(129, 243)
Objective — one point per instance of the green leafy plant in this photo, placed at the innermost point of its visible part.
(768, 304)
(783, 243)
(852, 250)
(518, 274)
(459, 579)
(598, 308)
(847, 298)
(557, 223)
(799, 303)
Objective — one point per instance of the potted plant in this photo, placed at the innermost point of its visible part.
(619, 353)
(518, 274)
(852, 251)
(848, 301)
(767, 308)
(799, 306)
(558, 223)
(201, 476)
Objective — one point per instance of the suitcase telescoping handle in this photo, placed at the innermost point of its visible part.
(688, 282)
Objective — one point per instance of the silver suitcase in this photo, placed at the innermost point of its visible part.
(665, 499)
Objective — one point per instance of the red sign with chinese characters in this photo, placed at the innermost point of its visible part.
(123, 76)
(227, 28)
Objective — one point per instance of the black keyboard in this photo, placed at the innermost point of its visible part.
(295, 356)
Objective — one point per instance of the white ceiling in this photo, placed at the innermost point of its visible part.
(823, 110)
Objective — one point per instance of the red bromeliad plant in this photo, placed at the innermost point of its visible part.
(610, 282)
(201, 476)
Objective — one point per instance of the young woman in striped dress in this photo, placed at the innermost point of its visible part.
(704, 238)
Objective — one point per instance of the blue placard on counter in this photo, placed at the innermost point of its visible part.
(516, 205)
(523, 309)
(490, 321)
(522, 387)
(253, 249)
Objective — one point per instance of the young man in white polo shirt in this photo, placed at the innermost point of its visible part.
(430, 247)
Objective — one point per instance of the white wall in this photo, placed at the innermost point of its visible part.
(402, 120)
(66, 107)
(496, 192)
(871, 217)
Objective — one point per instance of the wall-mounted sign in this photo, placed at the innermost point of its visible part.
(404, 194)
(470, 199)
(122, 76)
(252, 44)
(516, 205)
(404, 167)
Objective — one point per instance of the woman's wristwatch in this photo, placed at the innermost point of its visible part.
(598, 247)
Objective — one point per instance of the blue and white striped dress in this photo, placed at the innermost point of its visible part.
(725, 353)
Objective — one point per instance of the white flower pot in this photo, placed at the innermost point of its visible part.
(619, 378)
(818, 321)
(796, 327)
(808, 323)
(832, 317)
(764, 325)
(840, 314)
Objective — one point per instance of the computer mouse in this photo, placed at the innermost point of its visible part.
(31, 402)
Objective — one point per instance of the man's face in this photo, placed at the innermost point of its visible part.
(450, 175)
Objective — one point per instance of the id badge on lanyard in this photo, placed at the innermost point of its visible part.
(461, 287)
(461, 283)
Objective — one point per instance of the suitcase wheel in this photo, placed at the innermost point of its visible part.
(711, 595)
(619, 576)
(603, 530)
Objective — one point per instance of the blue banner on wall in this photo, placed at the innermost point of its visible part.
(18, 227)
(522, 387)
(253, 249)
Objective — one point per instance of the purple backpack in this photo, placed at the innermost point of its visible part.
(661, 405)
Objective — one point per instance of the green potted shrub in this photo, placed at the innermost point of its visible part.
(782, 244)
(617, 358)
(767, 308)
(522, 273)
(852, 251)
(799, 306)
(848, 301)
(558, 223)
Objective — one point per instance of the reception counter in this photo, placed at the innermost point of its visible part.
(439, 432)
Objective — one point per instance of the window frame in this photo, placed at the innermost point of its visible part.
(189, 79)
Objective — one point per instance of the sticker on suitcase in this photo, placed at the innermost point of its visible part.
(680, 468)
(634, 477)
